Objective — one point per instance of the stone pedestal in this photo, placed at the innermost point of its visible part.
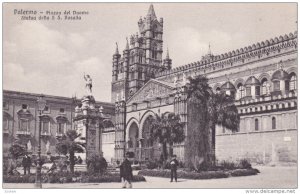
(87, 122)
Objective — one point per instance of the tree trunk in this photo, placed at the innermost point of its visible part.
(213, 143)
(72, 162)
(171, 149)
(164, 153)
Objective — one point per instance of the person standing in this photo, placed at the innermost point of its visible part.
(26, 163)
(126, 172)
(174, 164)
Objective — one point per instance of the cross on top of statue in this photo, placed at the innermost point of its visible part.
(88, 84)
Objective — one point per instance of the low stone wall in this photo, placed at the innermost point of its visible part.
(263, 147)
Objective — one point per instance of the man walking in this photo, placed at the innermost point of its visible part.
(126, 172)
(174, 164)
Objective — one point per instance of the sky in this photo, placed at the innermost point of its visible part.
(51, 57)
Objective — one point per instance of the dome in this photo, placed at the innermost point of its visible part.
(228, 86)
(280, 75)
(252, 81)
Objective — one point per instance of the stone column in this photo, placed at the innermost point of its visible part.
(120, 130)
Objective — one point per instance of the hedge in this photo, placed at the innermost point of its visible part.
(185, 175)
(69, 178)
(200, 175)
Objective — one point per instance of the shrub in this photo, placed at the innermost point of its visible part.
(244, 164)
(96, 164)
(151, 164)
(67, 177)
(185, 175)
(226, 165)
(243, 172)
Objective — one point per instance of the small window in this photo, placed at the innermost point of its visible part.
(293, 82)
(24, 125)
(256, 125)
(62, 110)
(5, 123)
(61, 128)
(46, 108)
(276, 85)
(45, 127)
(24, 106)
(273, 123)
(257, 90)
(248, 91)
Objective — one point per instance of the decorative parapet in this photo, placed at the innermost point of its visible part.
(268, 103)
(260, 50)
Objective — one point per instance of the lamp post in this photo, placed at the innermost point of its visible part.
(41, 106)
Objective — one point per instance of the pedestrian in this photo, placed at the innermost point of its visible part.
(126, 172)
(26, 163)
(174, 164)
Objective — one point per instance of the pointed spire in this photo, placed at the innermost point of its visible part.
(127, 44)
(151, 12)
(117, 49)
(209, 51)
(167, 56)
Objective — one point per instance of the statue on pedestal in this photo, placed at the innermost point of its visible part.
(88, 84)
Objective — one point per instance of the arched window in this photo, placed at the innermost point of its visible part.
(256, 125)
(293, 82)
(131, 59)
(46, 127)
(141, 57)
(265, 87)
(273, 123)
(248, 91)
(241, 90)
(61, 127)
(154, 53)
(257, 90)
(276, 85)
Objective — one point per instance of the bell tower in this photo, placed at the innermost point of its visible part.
(141, 59)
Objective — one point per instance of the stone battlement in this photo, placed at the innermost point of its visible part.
(261, 50)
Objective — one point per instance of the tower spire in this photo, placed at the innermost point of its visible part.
(117, 49)
(167, 56)
(151, 12)
(127, 44)
(209, 51)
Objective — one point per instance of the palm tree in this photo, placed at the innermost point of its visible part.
(222, 111)
(167, 130)
(68, 145)
(206, 109)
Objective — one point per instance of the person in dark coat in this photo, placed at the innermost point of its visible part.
(126, 172)
(26, 163)
(174, 163)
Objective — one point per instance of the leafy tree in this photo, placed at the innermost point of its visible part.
(16, 151)
(222, 111)
(206, 110)
(168, 130)
(68, 145)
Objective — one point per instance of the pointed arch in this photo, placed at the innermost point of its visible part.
(239, 81)
(130, 122)
(264, 75)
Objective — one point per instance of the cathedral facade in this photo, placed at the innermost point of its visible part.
(261, 77)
